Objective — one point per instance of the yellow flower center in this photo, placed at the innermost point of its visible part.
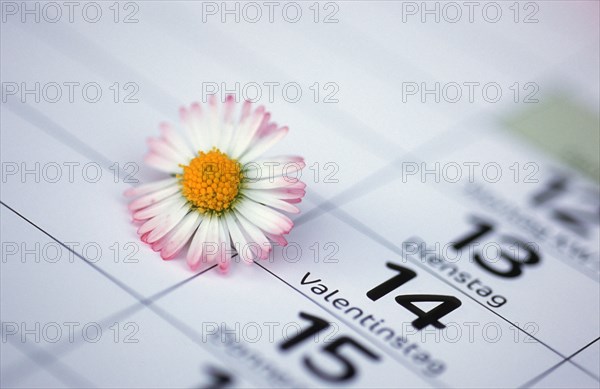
(211, 181)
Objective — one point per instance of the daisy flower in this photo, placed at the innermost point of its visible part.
(222, 197)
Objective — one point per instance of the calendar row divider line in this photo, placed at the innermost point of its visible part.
(376, 179)
(46, 361)
(65, 347)
(543, 374)
(107, 275)
(97, 63)
(182, 327)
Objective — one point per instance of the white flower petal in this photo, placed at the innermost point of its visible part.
(153, 223)
(195, 251)
(246, 131)
(275, 183)
(150, 187)
(182, 235)
(267, 198)
(156, 208)
(169, 221)
(246, 109)
(261, 145)
(239, 241)
(281, 241)
(281, 193)
(258, 241)
(264, 217)
(211, 123)
(172, 137)
(269, 168)
(154, 197)
(160, 163)
(192, 122)
(165, 150)
(224, 255)
(213, 240)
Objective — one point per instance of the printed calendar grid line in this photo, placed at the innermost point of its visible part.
(346, 195)
(190, 333)
(545, 373)
(101, 271)
(99, 65)
(61, 349)
(367, 231)
(50, 127)
(376, 180)
(400, 61)
(100, 55)
(378, 142)
(101, 62)
(393, 56)
(47, 362)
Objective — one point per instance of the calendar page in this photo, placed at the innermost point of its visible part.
(440, 204)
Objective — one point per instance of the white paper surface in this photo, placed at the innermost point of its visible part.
(86, 304)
